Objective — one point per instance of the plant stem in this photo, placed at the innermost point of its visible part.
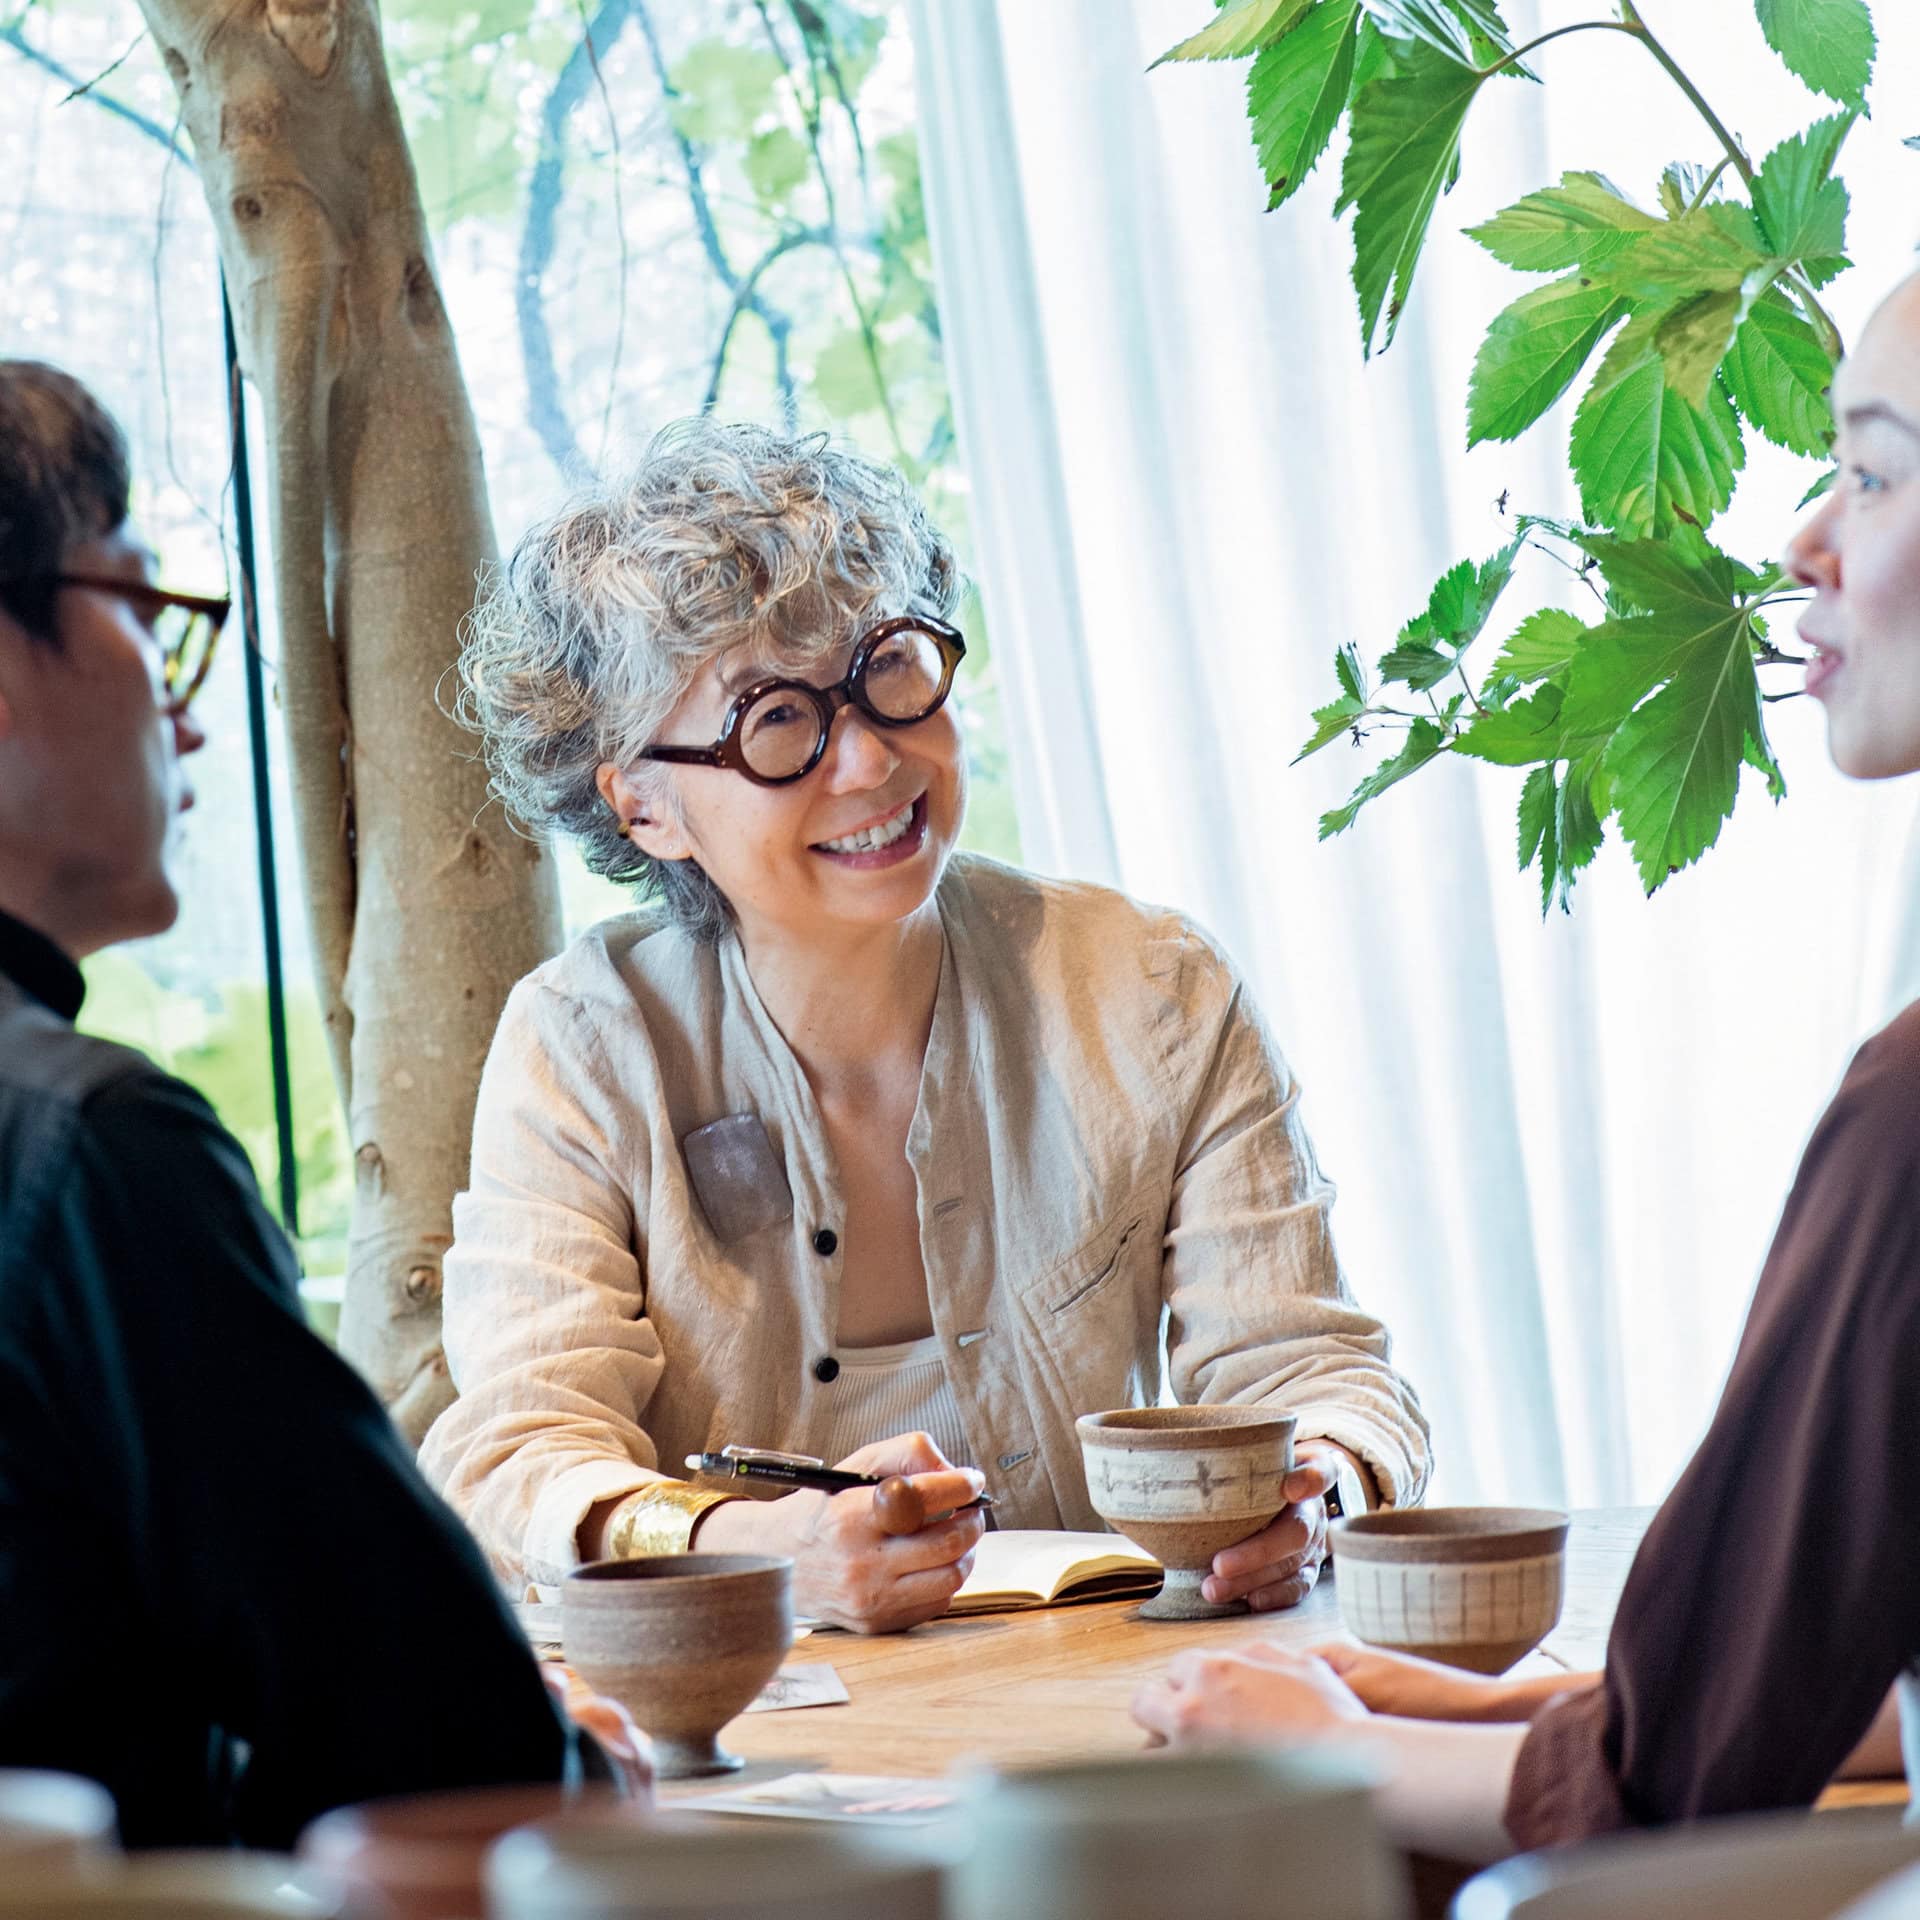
(1817, 316)
(1520, 53)
(1707, 185)
(1631, 22)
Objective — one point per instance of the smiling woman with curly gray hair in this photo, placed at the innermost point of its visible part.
(724, 538)
(849, 1145)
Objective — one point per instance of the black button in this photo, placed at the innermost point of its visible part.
(826, 1243)
(826, 1368)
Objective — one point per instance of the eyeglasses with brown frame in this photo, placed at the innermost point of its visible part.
(776, 731)
(186, 626)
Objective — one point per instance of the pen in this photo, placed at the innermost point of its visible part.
(798, 1470)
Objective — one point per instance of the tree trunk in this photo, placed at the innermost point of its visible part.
(424, 906)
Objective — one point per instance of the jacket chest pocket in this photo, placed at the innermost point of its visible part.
(1100, 1267)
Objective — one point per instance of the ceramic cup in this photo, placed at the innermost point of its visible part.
(682, 1641)
(1183, 1482)
(423, 1855)
(54, 1822)
(185, 1886)
(1477, 1587)
(1150, 1836)
(707, 1867)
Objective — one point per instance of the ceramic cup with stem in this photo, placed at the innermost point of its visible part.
(682, 1641)
(1184, 1482)
(1476, 1587)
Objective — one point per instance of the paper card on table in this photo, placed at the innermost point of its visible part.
(1015, 1567)
(816, 1685)
(834, 1796)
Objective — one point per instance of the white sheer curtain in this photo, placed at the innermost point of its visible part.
(1561, 1148)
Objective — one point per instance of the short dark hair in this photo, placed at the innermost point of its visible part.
(64, 478)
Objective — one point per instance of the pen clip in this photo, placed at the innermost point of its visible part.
(763, 1456)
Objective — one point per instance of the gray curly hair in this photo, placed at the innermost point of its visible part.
(723, 536)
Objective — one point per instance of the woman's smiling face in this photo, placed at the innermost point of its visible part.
(1861, 553)
(860, 841)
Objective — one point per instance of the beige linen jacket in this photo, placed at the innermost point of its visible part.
(1110, 1163)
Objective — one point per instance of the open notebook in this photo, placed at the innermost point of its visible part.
(1013, 1568)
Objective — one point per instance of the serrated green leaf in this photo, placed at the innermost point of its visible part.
(1525, 733)
(1457, 609)
(1685, 570)
(1676, 760)
(1680, 184)
(1538, 837)
(1821, 487)
(1581, 221)
(1296, 92)
(1646, 458)
(1404, 140)
(1580, 821)
(1532, 354)
(1693, 339)
(1424, 740)
(1329, 723)
(1542, 645)
(1801, 208)
(1828, 43)
(1243, 28)
(1718, 248)
(1758, 753)
(1778, 374)
(1418, 666)
(1346, 665)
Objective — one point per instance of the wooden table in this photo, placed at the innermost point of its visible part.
(1054, 1684)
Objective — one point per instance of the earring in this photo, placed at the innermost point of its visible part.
(624, 828)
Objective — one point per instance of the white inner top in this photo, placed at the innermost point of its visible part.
(883, 1391)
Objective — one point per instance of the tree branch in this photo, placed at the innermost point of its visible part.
(80, 89)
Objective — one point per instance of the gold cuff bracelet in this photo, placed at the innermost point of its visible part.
(658, 1519)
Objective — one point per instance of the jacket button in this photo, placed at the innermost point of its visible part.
(826, 1243)
(826, 1368)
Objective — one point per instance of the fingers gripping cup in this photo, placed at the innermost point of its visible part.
(1184, 1482)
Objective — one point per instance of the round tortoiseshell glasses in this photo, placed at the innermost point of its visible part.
(776, 731)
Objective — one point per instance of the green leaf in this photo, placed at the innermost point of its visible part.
(1467, 31)
(1532, 354)
(1778, 374)
(1404, 142)
(775, 163)
(1801, 208)
(1329, 723)
(721, 91)
(1346, 664)
(1242, 28)
(1646, 458)
(1579, 823)
(1828, 43)
(1296, 92)
(1676, 760)
(1758, 754)
(1424, 740)
(1680, 185)
(1821, 487)
(1576, 224)
(1693, 339)
(1539, 828)
(1418, 666)
(1543, 644)
(1526, 733)
(1718, 248)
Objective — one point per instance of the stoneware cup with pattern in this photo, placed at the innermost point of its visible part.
(683, 1641)
(1477, 1587)
(1220, 1832)
(711, 1867)
(1183, 1482)
(185, 1886)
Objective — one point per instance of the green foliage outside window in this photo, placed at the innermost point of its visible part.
(1699, 315)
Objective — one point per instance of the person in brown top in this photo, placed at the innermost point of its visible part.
(1767, 1638)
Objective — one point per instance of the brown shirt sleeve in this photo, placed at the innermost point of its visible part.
(1776, 1596)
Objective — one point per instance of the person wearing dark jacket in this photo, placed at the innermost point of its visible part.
(224, 1589)
(1769, 1636)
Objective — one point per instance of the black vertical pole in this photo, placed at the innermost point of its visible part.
(262, 792)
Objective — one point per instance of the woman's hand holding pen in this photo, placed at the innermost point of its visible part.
(848, 1569)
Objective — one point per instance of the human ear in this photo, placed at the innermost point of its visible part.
(652, 826)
